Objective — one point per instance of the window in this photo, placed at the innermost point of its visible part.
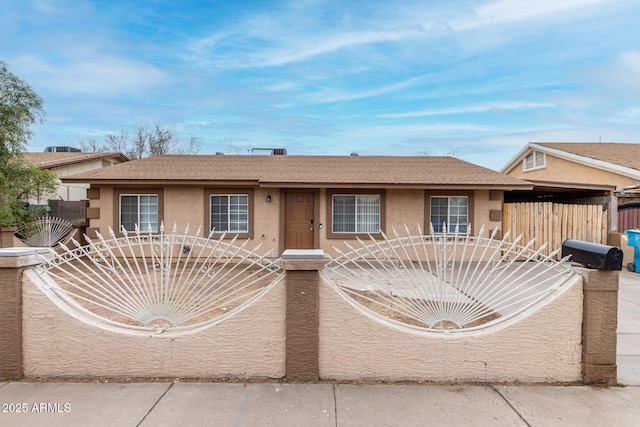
(229, 212)
(358, 213)
(450, 210)
(534, 160)
(139, 209)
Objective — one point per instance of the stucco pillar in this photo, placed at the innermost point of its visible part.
(599, 327)
(302, 314)
(6, 236)
(13, 261)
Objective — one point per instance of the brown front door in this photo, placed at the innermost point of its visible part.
(299, 220)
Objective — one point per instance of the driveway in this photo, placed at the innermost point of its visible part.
(629, 329)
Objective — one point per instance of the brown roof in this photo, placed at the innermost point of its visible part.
(303, 170)
(46, 160)
(621, 154)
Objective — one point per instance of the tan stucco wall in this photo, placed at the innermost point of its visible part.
(249, 344)
(482, 208)
(185, 205)
(267, 219)
(560, 170)
(408, 207)
(105, 204)
(543, 346)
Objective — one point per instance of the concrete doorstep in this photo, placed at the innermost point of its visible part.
(274, 404)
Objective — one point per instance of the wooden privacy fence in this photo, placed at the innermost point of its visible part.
(555, 222)
(629, 216)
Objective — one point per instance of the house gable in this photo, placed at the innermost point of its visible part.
(549, 163)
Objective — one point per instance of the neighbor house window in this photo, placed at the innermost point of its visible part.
(140, 210)
(450, 210)
(534, 160)
(229, 213)
(356, 213)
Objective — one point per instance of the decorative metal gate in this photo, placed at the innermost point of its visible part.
(445, 282)
(157, 281)
(45, 232)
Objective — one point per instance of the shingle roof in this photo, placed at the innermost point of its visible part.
(303, 170)
(627, 155)
(46, 160)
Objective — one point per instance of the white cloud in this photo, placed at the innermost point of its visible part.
(480, 108)
(95, 75)
(329, 96)
(285, 47)
(631, 61)
(415, 129)
(627, 115)
(620, 77)
(506, 11)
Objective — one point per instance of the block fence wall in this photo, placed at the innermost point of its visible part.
(307, 337)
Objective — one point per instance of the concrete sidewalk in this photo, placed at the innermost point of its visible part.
(268, 404)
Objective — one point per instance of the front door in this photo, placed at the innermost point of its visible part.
(299, 220)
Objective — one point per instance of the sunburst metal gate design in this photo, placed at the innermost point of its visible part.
(445, 282)
(147, 281)
(46, 232)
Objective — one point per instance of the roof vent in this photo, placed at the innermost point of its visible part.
(355, 154)
(219, 153)
(61, 149)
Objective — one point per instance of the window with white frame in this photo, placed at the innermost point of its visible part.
(452, 211)
(534, 160)
(356, 213)
(139, 209)
(229, 212)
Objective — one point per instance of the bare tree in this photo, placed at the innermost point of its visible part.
(120, 143)
(147, 142)
(161, 141)
(192, 147)
(92, 146)
(240, 148)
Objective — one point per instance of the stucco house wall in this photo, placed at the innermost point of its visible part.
(290, 198)
(185, 205)
(561, 170)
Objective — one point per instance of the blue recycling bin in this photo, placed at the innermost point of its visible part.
(633, 237)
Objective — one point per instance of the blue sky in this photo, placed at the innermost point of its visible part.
(476, 78)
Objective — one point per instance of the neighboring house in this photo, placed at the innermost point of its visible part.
(70, 163)
(582, 165)
(581, 173)
(296, 202)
